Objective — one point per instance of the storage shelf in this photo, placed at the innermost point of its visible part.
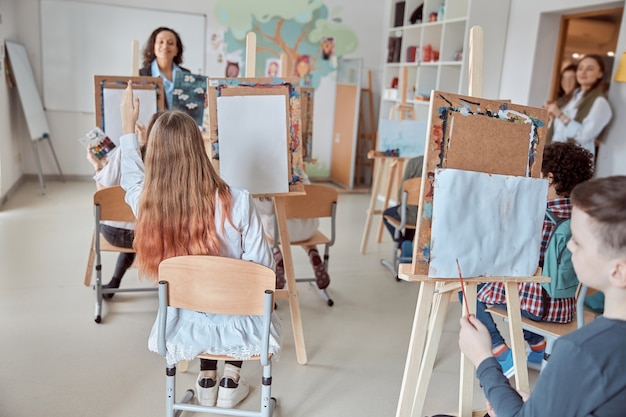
(448, 37)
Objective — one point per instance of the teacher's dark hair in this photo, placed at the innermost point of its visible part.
(148, 51)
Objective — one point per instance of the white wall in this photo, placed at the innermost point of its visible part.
(12, 124)
(363, 16)
(529, 58)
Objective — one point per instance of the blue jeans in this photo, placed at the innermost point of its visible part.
(486, 319)
(123, 238)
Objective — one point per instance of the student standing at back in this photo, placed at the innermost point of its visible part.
(582, 115)
(162, 57)
(183, 207)
(585, 373)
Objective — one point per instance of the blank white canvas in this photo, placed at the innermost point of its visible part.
(112, 117)
(491, 223)
(252, 132)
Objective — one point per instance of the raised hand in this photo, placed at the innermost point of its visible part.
(130, 110)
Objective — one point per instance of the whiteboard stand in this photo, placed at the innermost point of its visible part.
(32, 106)
(42, 185)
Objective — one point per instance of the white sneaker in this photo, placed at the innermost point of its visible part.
(207, 395)
(231, 393)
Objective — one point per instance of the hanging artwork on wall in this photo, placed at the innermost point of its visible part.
(272, 68)
(328, 48)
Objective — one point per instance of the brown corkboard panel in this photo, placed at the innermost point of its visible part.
(475, 134)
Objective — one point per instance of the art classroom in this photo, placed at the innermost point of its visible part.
(348, 357)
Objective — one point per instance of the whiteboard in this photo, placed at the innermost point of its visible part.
(27, 90)
(79, 40)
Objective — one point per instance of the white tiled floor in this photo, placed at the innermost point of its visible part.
(56, 361)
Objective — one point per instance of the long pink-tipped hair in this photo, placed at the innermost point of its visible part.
(178, 204)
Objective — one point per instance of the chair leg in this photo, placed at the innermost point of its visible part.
(547, 353)
(393, 264)
(98, 291)
(170, 391)
(268, 403)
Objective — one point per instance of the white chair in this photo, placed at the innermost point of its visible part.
(217, 285)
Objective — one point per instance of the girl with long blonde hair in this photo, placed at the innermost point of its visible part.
(183, 207)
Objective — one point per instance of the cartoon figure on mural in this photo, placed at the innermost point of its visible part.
(272, 68)
(302, 68)
(232, 69)
(328, 47)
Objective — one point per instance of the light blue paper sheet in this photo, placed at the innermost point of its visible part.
(490, 223)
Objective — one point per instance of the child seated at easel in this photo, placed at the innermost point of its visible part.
(413, 169)
(299, 230)
(585, 374)
(117, 233)
(183, 207)
(564, 165)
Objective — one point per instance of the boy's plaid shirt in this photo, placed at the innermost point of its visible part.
(532, 298)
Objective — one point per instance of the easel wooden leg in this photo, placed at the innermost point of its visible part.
(466, 385)
(438, 318)
(290, 277)
(393, 169)
(379, 169)
(517, 337)
(416, 349)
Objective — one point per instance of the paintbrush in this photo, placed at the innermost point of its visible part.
(458, 267)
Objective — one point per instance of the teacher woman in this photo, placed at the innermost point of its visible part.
(162, 57)
(582, 115)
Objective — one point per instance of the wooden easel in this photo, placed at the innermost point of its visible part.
(386, 165)
(432, 304)
(290, 292)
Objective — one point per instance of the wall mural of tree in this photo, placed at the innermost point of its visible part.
(311, 36)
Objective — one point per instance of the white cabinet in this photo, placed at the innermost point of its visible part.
(435, 50)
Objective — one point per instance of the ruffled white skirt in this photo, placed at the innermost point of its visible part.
(190, 333)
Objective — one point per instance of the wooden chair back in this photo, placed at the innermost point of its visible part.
(112, 206)
(216, 284)
(318, 202)
(555, 330)
(109, 204)
(412, 187)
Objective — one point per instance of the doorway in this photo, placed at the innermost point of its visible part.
(586, 33)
